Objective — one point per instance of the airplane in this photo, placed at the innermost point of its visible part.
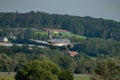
(56, 42)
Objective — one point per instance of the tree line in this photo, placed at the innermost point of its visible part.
(13, 61)
(13, 58)
(36, 66)
(87, 26)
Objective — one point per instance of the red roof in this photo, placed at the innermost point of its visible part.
(72, 53)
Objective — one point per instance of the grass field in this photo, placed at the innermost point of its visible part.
(64, 35)
(82, 77)
(75, 78)
(6, 76)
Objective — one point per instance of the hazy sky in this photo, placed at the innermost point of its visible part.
(108, 9)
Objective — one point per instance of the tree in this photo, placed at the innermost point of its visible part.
(39, 70)
(28, 34)
(5, 64)
(67, 63)
(66, 75)
(107, 70)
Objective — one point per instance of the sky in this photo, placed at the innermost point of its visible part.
(107, 9)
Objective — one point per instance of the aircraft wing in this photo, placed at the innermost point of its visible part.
(39, 41)
(77, 43)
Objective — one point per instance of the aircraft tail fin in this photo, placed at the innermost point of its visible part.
(49, 34)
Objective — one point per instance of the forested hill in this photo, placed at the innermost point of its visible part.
(87, 26)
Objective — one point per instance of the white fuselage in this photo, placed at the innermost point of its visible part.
(59, 42)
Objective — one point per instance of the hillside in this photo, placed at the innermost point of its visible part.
(86, 26)
(99, 40)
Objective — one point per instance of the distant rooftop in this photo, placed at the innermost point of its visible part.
(72, 53)
(3, 39)
(69, 53)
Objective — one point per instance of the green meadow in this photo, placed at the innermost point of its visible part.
(76, 77)
(64, 35)
(6, 77)
(81, 77)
